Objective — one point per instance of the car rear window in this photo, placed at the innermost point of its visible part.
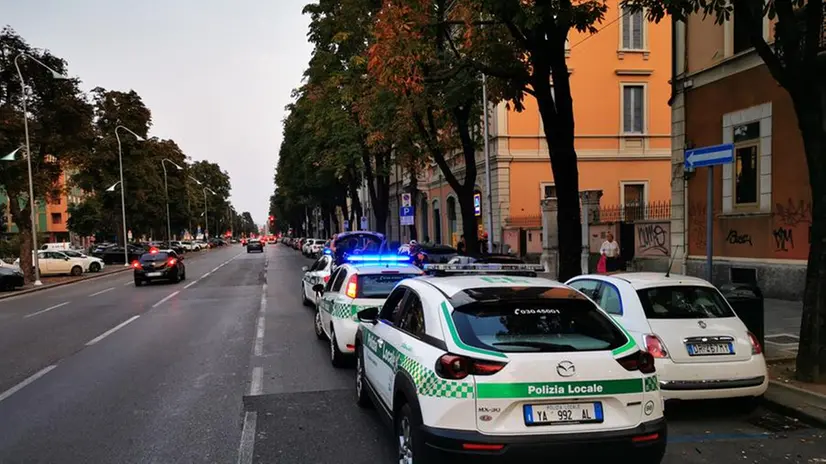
(537, 325)
(379, 285)
(153, 257)
(683, 302)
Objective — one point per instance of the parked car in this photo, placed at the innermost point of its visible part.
(91, 263)
(10, 278)
(57, 263)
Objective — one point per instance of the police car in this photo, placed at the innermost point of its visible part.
(318, 273)
(506, 367)
(363, 281)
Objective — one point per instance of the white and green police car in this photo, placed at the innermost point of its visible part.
(363, 282)
(318, 273)
(508, 368)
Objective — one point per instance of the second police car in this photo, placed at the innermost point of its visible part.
(362, 282)
(506, 367)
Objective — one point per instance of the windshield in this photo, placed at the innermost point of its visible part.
(379, 285)
(154, 257)
(537, 325)
(73, 254)
(683, 302)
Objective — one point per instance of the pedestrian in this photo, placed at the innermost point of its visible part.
(461, 247)
(610, 249)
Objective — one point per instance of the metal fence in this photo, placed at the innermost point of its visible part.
(524, 221)
(631, 213)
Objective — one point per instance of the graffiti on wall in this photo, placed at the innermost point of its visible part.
(783, 239)
(735, 238)
(791, 217)
(653, 239)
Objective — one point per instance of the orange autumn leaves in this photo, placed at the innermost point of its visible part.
(396, 56)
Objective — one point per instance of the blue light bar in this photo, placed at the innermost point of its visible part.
(378, 259)
(328, 251)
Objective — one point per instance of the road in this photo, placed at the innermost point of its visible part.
(225, 368)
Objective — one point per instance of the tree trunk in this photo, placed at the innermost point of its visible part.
(811, 359)
(357, 210)
(380, 192)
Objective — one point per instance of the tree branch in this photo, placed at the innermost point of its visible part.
(755, 28)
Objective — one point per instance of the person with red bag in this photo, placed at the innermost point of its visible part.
(609, 255)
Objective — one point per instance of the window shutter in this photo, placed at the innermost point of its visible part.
(638, 109)
(636, 32)
(626, 109)
(626, 28)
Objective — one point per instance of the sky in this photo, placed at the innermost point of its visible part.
(216, 74)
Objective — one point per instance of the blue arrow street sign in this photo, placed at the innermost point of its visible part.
(709, 156)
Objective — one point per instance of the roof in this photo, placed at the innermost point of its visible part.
(640, 280)
(452, 285)
(378, 268)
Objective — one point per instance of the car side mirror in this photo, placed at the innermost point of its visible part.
(305, 268)
(368, 315)
(66, 259)
(318, 288)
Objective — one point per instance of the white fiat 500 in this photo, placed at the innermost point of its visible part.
(701, 348)
(364, 281)
(318, 273)
(509, 368)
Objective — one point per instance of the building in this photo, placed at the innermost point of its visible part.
(762, 201)
(620, 84)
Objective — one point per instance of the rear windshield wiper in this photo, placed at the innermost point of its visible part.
(542, 346)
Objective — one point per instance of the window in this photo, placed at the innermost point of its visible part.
(378, 285)
(633, 198)
(741, 40)
(609, 299)
(413, 316)
(57, 218)
(332, 280)
(746, 158)
(683, 302)
(633, 109)
(588, 287)
(339, 280)
(548, 191)
(392, 309)
(632, 24)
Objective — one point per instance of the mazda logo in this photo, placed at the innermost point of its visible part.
(565, 369)
(702, 324)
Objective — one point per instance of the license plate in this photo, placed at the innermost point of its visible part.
(154, 274)
(710, 349)
(568, 413)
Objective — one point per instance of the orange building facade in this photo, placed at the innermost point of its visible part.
(620, 85)
(52, 220)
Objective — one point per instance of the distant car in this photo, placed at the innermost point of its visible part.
(159, 265)
(255, 244)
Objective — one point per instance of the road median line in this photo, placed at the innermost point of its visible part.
(30, 379)
(111, 331)
(166, 298)
(47, 309)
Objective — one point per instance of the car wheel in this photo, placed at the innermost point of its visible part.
(138, 282)
(319, 328)
(304, 299)
(362, 398)
(183, 275)
(76, 271)
(337, 358)
(94, 267)
(411, 449)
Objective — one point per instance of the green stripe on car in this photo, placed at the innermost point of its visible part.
(559, 389)
(454, 334)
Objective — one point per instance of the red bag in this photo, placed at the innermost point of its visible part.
(602, 265)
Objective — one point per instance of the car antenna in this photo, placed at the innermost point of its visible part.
(671, 261)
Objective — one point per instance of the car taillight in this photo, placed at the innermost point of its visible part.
(655, 346)
(352, 287)
(172, 261)
(755, 344)
(136, 264)
(326, 279)
(454, 367)
(640, 361)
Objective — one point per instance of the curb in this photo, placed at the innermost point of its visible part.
(16, 293)
(800, 407)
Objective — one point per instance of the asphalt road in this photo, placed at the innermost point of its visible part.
(225, 368)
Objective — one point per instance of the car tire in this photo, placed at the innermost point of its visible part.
(410, 443)
(94, 267)
(183, 275)
(362, 397)
(337, 358)
(317, 326)
(76, 271)
(138, 282)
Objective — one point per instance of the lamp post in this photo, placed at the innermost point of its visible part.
(189, 202)
(123, 191)
(206, 214)
(32, 206)
(166, 189)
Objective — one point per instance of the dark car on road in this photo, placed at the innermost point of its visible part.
(159, 265)
(10, 278)
(255, 244)
(114, 255)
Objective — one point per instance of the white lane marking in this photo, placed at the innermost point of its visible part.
(205, 275)
(47, 309)
(166, 298)
(259, 337)
(190, 284)
(128, 284)
(257, 384)
(247, 438)
(21, 385)
(111, 331)
(102, 292)
(219, 267)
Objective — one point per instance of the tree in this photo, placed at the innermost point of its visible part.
(442, 96)
(797, 62)
(215, 204)
(60, 129)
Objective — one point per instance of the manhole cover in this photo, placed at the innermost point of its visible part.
(777, 423)
(782, 339)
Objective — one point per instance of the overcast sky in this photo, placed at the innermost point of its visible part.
(216, 74)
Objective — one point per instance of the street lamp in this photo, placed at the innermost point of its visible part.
(206, 215)
(123, 191)
(113, 187)
(55, 75)
(189, 203)
(166, 188)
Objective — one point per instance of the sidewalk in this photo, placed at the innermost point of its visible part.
(782, 319)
